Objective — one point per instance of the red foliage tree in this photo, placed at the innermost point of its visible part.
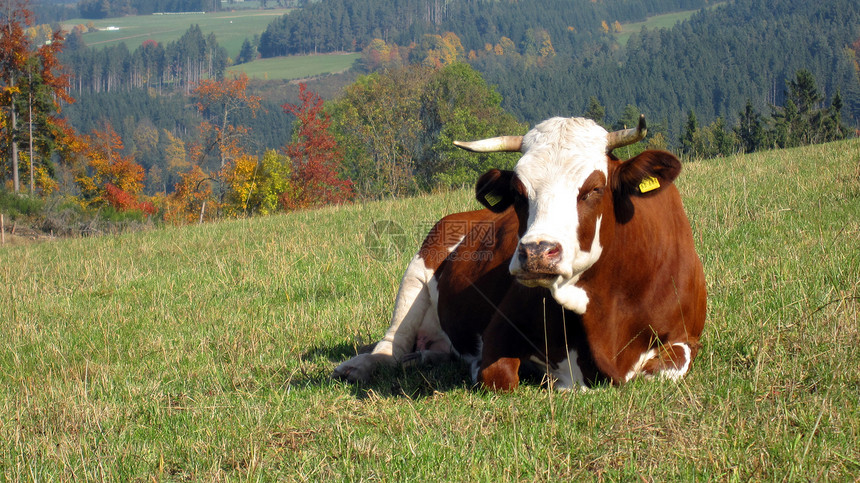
(315, 157)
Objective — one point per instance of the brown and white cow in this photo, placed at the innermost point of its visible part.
(580, 262)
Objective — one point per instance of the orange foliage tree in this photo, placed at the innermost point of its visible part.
(227, 184)
(188, 203)
(218, 101)
(104, 176)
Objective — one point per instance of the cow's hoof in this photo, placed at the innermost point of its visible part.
(361, 367)
(357, 369)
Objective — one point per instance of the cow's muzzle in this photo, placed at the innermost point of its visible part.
(538, 260)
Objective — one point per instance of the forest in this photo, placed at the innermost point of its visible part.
(163, 126)
(333, 25)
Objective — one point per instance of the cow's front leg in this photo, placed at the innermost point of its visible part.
(501, 375)
(362, 366)
(672, 361)
(411, 307)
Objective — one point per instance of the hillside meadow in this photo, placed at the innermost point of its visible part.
(204, 352)
(231, 28)
(296, 67)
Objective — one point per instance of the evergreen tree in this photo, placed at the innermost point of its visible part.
(595, 111)
(750, 130)
(247, 53)
(629, 118)
(724, 140)
(835, 129)
(687, 140)
(804, 92)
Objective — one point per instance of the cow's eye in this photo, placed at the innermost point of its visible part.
(593, 194)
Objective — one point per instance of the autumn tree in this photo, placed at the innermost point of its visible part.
(378, 54)
(14, 52)
(175, 156)
(31, 86)
(190, 198)
(315, 156)
(258, 186)
(219, 101)
(224, 141)
(103, 174)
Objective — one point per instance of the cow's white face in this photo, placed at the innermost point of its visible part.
(561, 195)
(562, 176)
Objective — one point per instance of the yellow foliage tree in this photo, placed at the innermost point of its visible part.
(240, 179)
(191, 200)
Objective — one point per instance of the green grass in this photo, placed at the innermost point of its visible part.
(230, 28)
(296, 67)
(663, 21)
(203, 352)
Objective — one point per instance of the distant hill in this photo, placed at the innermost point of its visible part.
(710, 64)
(709, 61)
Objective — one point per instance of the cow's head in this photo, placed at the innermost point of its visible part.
(565, 188)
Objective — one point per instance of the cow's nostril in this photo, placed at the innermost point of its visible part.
(541, 253)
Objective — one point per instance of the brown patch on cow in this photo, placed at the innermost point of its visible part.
(589, 206)
(502, 375)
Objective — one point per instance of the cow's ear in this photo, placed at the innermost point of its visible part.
(493, 190)
(646, 173)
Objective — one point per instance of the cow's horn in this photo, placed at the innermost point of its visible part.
(492, 145)
(626, 137)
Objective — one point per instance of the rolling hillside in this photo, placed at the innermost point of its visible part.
(231, 28)
(203, 352)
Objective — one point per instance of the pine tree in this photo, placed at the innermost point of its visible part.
(750, 130)
(595, 111)
(688, 136)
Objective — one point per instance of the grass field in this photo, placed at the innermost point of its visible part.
(230, 28)
(296, 67)
(203, 352)
(664, 21)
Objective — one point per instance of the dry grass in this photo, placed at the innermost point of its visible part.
(203, 353)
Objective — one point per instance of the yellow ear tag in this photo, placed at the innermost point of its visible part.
(649, 184)
(492, 199)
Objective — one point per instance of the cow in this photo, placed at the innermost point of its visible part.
(579, 263)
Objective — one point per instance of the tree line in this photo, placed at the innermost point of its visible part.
(349, 25)
(202, 143)
(179, 65)
(96, 9)
(805, 118)
(711, 64)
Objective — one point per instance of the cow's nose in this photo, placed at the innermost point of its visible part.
(540, 256)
